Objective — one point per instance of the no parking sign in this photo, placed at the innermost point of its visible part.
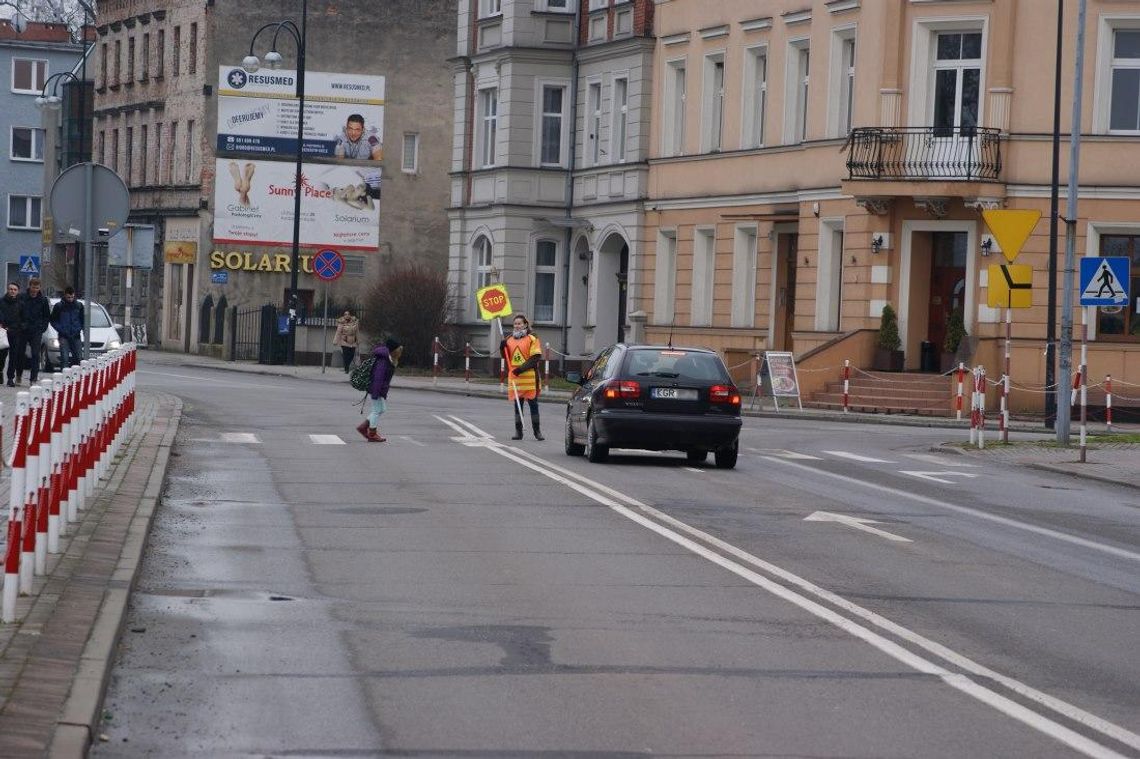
(328, 265)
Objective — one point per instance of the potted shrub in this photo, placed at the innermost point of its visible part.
(955, 334)
(888, 357)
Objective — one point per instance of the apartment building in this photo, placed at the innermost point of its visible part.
(30, 58)
(812, 162)
(549, 165)
(157, 101)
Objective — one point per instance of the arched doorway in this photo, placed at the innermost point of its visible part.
(611, 291)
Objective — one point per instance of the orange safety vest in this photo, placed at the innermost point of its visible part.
(517, 353)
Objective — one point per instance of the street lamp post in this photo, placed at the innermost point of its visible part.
(252, 63)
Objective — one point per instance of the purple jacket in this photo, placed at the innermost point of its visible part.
(382, 372)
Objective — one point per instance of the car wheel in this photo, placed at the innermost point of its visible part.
(696, 456)
(572, 448)
(726, 457)
(595, 452)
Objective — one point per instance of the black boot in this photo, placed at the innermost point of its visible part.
(518, 431)
(537, 431)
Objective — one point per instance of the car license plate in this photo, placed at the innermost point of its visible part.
(675, 393)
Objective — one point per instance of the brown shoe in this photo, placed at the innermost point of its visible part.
(362, 428)
(374, 436)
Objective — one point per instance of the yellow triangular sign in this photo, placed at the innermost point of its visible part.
(517, 358)
(1011, 229)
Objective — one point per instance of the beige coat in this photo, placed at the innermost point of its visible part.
(346, 331)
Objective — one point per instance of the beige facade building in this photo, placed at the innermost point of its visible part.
(811, 162)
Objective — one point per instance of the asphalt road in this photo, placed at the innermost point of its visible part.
(453, 593)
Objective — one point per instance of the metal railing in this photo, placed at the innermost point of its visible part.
(966, 153)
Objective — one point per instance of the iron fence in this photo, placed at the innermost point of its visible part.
(966, 153)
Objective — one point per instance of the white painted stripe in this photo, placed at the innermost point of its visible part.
(857, 457)
(473, 429)
(930, 458)
(957, 681)
(1112, 550)
(413, 441)
(784, 454)
(239, 437)
(326, 440)
(692, 469)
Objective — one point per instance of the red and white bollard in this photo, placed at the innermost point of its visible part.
(961, 379)
(31, 486)
(1108, 401)
(16, 514)
(546, 366)
(467, 362)
(435, 361)
(981, 407)
(846, 384)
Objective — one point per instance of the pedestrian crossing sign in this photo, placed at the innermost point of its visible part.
(1104, 281)
(30, 265)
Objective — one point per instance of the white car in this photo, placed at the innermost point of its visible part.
(104, 335)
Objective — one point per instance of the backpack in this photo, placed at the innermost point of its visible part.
(361, 376)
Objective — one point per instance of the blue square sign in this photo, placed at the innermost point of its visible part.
(1104, 281)
(220, 277)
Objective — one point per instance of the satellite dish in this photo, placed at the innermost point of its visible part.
(19, 22)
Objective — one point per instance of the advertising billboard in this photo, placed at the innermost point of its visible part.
(339, 204)
(257, 113)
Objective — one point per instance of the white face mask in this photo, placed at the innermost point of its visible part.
(519, 334)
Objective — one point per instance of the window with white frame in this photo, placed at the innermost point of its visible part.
(665, 278)
(599, 4)
(674, 122)
(490, 8)
(24, 212)
(704, 268)
(29, 75)
(488, 126)
(957, 82)
(410, 163)
(1124, 98)
(482, 262)
(551, 130)
(755, 96)
(598, 27)
(545, 274)
(621, 118)
(744, 277)
(623, 23)
(842, 83)
(27, 144)
(799, 68)
(712, 104)
(594, 137)
(829, 282)
(554, 5)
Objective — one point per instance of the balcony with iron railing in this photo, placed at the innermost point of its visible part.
(938, 163)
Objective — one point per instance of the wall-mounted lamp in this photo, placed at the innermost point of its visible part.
(876, 244)
(880, 241)
(815, 208)
(988, 245)
(586, 255)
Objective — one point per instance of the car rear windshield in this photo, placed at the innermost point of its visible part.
(676, 364)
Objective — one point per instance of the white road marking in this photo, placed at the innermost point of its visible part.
(929, 458)
(784, 454)
(609, 497)
(692, 469)
(475, 431)
(937, 476)
(326, 440)
(413, 441)
(859, 523)
(1113, 550)
(857, 457)
(239, 437)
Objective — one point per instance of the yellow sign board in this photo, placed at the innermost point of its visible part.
(179, 252)
(1011, 229)
(1010, 286)
(493, 301)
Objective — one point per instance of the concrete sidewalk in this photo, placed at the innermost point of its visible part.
(54, 660)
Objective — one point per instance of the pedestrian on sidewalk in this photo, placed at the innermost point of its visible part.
(10, 323)
(387, 359)
(522, 351)
(347, 328)
(35, 315)
(67, 318)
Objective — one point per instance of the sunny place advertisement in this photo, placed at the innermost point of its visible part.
(257, 113)
(253, 205)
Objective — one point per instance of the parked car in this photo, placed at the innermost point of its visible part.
(104, 335)
(657, 398)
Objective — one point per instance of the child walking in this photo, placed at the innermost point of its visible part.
(387, 358)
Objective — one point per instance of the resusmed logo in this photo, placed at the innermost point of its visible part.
(237, 79)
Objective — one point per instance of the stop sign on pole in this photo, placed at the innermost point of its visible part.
(493, 301)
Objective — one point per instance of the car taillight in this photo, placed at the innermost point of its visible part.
(724, 394)
(623, 389)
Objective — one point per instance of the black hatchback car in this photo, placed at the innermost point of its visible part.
(657, 398)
